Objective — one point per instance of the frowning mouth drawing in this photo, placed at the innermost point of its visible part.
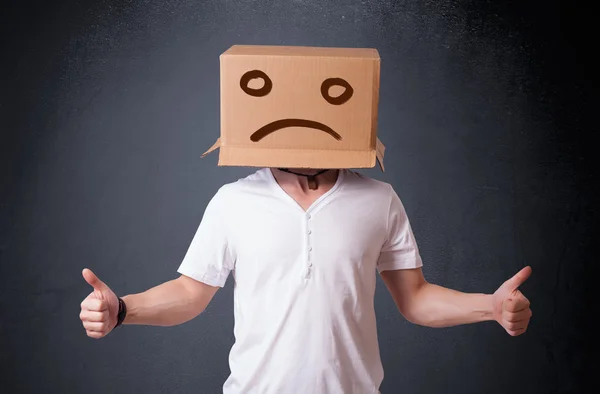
(283, 123)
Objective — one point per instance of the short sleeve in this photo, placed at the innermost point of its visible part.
(209, 258)
(400, 249)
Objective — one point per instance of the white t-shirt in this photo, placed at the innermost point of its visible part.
(304, 281)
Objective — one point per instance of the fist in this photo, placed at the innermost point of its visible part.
(99, 309)
(511, 308)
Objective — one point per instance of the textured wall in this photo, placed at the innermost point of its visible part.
(107, 105)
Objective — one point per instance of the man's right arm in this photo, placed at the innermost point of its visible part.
(205, 267)
(168, 304)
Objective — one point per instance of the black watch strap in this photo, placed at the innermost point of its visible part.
(122, 312)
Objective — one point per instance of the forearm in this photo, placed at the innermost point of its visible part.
(167, 304)
(436, 306)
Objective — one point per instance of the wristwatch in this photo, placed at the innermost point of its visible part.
(122, 312)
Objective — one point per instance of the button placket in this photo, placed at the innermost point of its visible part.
(309, 247)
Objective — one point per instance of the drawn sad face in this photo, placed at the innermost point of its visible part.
(266, 87)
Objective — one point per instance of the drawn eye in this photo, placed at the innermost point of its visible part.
(342, 98)
(256, 74)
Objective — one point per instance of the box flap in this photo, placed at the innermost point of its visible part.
(215, 146)
(380, 152)
(277, 50)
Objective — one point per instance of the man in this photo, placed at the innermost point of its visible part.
(304, 262)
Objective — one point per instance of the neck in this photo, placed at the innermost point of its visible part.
(306, 178)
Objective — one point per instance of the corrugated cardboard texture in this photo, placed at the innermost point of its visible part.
(299, 107)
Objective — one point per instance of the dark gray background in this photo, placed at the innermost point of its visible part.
(106, 107)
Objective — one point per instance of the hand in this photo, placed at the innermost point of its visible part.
(511, 307)
(99, 309)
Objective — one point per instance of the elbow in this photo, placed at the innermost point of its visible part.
(415, 317)
(420, 312)
(194, 309)
(424, 318)
(183, 315)
(414, 308)
(421, 319)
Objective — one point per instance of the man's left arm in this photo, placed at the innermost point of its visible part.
(431, 305)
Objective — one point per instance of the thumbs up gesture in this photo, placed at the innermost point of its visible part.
(99, 309)
(511, 307)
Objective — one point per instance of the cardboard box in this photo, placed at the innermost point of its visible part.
(299, 107)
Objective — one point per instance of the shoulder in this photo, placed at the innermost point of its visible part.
(362, 183)
(235, 191)
(366, 190)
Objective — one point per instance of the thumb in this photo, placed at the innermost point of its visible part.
(93, 280)
(517, 280)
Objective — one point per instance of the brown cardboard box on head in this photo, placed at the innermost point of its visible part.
(299, 107)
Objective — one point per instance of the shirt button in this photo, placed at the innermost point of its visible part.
(310, 248)
(308, 216)
(310, 264)
(310, 231)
